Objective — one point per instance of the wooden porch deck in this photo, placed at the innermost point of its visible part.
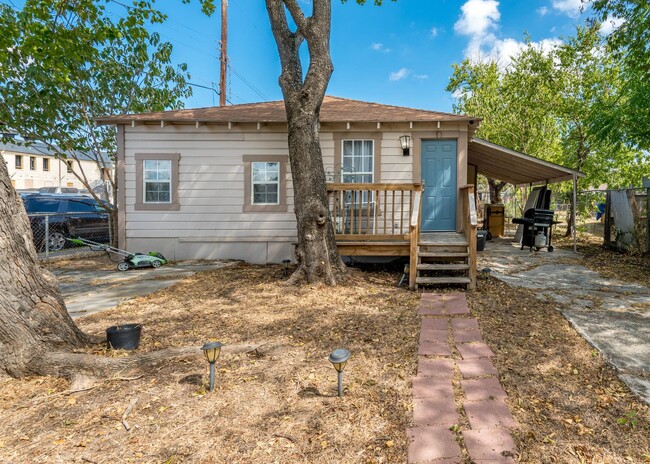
(384, 220)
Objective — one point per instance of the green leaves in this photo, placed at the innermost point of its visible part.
(64, 63)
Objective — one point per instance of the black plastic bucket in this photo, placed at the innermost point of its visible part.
(124, 337)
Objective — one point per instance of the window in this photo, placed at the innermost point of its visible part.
(357, 161)
(32, 163)
(157, 181)
(265, 183)
(46, 164)
(156, 186)
(69, 166)
(19, 161)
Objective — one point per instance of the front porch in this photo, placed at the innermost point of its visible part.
(384, 220)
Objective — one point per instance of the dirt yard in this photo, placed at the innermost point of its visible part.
(274, 404)
(278, 404)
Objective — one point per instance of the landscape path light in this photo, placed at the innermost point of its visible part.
(339, 359)
(287, 263)
(211, 352)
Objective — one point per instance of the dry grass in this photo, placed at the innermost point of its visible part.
(277, 404)
(568, 402)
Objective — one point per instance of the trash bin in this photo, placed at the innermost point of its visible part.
(481, 235)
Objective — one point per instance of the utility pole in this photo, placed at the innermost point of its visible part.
(224, 52)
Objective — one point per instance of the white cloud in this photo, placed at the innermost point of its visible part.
(434, 31)
(478, 17)
(571, 8)
(398, 75)
(420, 76)
(479, 21)
(610, 24)
(542, 11)
(379, 47)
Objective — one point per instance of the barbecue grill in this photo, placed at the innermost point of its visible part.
(537, 228)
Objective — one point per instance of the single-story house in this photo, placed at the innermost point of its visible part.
(216, 182)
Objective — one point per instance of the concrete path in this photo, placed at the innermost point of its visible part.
(87, 292)
(613, 316)
(451, 346)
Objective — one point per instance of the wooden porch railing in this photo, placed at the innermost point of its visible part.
(469, 223)
(374, 212)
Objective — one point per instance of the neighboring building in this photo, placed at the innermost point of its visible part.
(35, 166)
(216, 182)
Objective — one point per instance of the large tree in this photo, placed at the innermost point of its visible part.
(628, 116)
(514, 111)
(303, 93)
(64, 63)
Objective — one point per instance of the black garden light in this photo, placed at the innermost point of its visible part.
(339, 359)
(407, 143)
(485, 273)
(287, 263)
(211, 351)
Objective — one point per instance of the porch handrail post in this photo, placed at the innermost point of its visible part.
(414, 226)
(470, 223)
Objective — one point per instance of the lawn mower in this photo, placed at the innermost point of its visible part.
(130, 261)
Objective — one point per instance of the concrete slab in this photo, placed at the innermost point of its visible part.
(614, 316)
(87, 292)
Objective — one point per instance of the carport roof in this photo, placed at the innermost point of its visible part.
(513, 167)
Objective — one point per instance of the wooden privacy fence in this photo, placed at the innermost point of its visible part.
(372, 211)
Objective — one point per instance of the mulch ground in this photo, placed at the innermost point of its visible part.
(569, 404)
(274, 404)
(278, 403)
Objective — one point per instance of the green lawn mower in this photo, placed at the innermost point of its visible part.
(129, 261)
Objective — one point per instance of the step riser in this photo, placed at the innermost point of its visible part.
(443, 249)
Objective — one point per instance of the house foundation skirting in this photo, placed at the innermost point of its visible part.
(253, 250)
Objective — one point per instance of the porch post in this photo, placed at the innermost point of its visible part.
(573, 211)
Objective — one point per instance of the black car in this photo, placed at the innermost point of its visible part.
(69, 216)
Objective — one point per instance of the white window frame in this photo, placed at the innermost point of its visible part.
(371, 172)
(266, 182)
(146, 181)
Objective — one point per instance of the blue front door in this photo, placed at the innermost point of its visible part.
(439, 177)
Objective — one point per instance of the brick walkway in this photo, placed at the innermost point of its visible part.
(451, 345)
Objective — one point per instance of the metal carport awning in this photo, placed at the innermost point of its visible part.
(513, 167)
(519, 169)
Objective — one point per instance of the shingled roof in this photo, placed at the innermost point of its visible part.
(333, 109)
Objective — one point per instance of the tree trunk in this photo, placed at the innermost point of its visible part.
(318, 258)
(37, 335)
(495, 190)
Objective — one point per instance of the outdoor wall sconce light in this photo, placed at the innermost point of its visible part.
(339, 359)
(211, 352)
(286, 263)
(407, 143)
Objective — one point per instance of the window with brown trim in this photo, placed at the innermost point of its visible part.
(46, 164)
(68, 164)
(32, 163)
(156, 181)
(265, 183)
(19, 161)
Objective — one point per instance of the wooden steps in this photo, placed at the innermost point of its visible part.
(442, 259)
(441, 280)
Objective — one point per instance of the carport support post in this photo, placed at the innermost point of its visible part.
(573, 211)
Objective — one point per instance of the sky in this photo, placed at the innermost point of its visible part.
(400, 53)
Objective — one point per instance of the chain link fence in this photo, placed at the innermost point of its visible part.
(51, 232)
